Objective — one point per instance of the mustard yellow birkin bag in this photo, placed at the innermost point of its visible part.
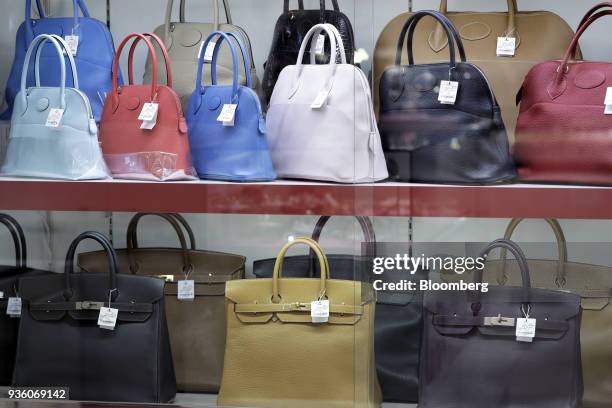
(277, 355)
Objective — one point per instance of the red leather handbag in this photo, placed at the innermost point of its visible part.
(133, 151)
(564, 133)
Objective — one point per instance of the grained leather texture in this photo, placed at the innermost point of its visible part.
(164, 149)
(69, 151)
(427, 141)
(94, 58)
(233, 153)
(197, 328)
(462, 356)
(563, 134)
(275, 357)
(183, 43)
(338, 142)
(289, 32)
(541, 35)
(132, 363)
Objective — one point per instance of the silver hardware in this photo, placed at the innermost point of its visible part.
(87, 305)
(499, 321)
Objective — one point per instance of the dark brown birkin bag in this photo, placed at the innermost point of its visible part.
(471, 356)
(197, 328)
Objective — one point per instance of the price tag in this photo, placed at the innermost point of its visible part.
(448, 92)
(320, 47)
(320, 100)
(210, 50)
(13, 308)
(1, 295)
(608, 102)
(228, 114)
(148, 115)
(55, 117)
(506, 46)
(525, 330)
(73, 43)
(186, 290)
(319, 311)
(108, 318)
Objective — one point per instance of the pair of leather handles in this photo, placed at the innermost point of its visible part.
(216, 16)
(19, 241)
(29, 23)
(321, 6)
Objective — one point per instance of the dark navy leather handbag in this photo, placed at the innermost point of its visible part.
(94, 54)
(225, 151)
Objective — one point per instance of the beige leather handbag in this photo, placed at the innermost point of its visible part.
(197, 328)
(540, 36)
(594, 284)
(184, 40)
(277, 357)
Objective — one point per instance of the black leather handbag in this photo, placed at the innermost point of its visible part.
(9, 279)
(427, 141)
(291, 27)
(471, 356)
(399, 315)
(61, 345)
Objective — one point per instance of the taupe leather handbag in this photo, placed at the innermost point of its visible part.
(540, 36)
(594, 284)
(276, 357)
(184, 40)
(197, 328)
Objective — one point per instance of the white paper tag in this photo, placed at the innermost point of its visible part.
(149, 111)
(186, 290)
(210, 50)
(525, 330)
(320, 47)
(608, 102)
(319, 311)
(448, 92)
(506, 46)
(13, 308)
(228, 114)
(1, 295)
(55, 117)
(108, 318)
(73, 43)
(320, 100)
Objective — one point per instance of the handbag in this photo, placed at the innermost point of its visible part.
(539, 36)
(473, 356)
(41, 145)
(321, 125)
(135, 149)
(9, 287)
(130, 363)
(184, 43)
(94, 55)
(288, 359)
(399, 314)
(563, 130)
(289, 33)
(197, 328)
(462, 140)
(233, 153)
(594, 285)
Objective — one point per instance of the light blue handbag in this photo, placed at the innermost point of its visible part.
(232, 153)
(68, 151)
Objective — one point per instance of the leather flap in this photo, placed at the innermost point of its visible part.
(460, 325)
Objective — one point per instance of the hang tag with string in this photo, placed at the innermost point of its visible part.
(73, 43)
(13, 307)
(186, 288)
(448, 92)
(209, 52)
(148, 115)
(54, 119)
(319, 310)
(506, 46)
(608, 102)
(320, 100)
(525, 327)
(320, 46)
(228, 114)
(108, 315)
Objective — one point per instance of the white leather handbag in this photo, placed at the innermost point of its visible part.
(53, 130)
(321, 123)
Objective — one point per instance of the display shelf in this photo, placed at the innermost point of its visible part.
(304, 198)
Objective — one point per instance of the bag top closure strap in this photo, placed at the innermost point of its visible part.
(235, 83)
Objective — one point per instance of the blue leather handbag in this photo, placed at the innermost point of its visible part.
(94, 57)
(231, 153)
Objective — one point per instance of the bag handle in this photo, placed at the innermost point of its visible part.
(278, 266)
(116, 67)
(560, 278)
(226, 7)
(438, 34)
(173, 220)
(245, 59)
(164, 51)
(235, 83)
(169, 7)
(29, 24)
(451, 27)
(592, 11)
(39, 41)
(19, 241)
(75, 77)
(111, 256)
(286, 6)
(339, 45)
